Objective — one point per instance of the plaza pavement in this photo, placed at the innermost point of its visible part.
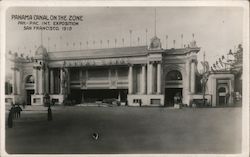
(125, 130)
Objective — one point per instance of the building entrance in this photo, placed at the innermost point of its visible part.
(28, 94)
(170, 93)
(222, 100)
(93, 95)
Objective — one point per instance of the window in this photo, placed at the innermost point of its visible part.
(222, 90)
(174, 75)
(136, 100)
(155, 101)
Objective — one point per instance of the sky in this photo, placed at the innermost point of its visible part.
(215, 29)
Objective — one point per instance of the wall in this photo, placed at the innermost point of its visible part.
(146, 100)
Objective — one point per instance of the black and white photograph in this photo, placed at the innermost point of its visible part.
(110, 78)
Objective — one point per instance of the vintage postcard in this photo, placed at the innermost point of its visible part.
(125, 78)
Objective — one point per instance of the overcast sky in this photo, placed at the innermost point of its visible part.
(216, 29)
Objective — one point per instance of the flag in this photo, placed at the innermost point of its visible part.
(220, 62)
(212, 69)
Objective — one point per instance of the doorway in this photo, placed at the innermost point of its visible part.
(169, 95)
(28, 98)
(222, 96)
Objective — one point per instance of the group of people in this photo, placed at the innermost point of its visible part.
(15, 112)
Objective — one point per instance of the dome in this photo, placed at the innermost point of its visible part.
(41, 51)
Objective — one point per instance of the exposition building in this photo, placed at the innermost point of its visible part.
(146, 75)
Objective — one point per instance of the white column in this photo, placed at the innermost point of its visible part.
(130, 79)
(149, 80)
(40, 86)
(51, 81)
(192, 77)
(42, 80)
(14, 91)
(36, 81)
(143, 79)
(159, 78)
(46, 80)
(17, 82)
(61, 77)
(188, 75)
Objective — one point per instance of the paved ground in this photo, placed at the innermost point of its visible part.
(127, 130)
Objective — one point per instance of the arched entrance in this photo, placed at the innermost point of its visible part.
(29, 87)
(222, 96)
(173, 87)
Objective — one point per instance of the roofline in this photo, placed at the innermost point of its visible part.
(99, 49)
(101, 57)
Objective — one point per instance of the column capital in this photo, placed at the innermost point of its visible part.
(130, 64)
(155, 62)
(193, 61)
(37, 67)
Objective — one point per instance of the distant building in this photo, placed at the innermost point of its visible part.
(147, 75)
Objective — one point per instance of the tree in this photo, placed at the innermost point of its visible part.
(205, 74)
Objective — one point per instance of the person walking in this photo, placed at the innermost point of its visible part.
(10, 117)
(18, 110)
(140, 103)
(49, 114)
(13, 111)
(227, 98)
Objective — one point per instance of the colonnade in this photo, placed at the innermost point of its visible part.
(51, 81)
(147, 84)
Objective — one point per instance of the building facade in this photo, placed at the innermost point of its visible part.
(140, 75)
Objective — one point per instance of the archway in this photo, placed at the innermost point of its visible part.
(173, 86)
(29, 87)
